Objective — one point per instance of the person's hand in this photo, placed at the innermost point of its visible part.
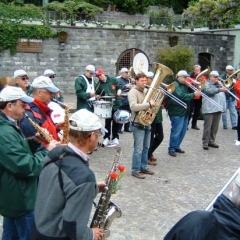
(101, 186)
(60, 125)
(197, 93)
(92, 94)
(98, 233)
(53, 144)
(128, 86)
(223, 89)
(119, 92)
(152, 103)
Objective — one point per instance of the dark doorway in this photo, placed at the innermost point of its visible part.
(204, 60)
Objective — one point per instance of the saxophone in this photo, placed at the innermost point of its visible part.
(146, 117)
(107, 211)
(66, 123)
(48, 138)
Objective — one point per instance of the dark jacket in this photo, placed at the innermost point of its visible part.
(82, 95)
(67, 188)
(222, 223)
(228, 95)
(110, 88)
(182, 92)
(124, 82)
(20, 165)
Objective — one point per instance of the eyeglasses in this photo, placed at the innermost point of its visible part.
(52, 76)
(215, 76)
(24, 78)
(99, 133)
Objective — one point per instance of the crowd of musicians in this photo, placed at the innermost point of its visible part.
(43, 178)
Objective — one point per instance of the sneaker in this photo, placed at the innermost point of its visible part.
(237, 143)
(147, 171)
(172, 153)
(138, 175)
(105, 142)
(115, 141)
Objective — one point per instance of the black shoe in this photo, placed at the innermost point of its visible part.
(120, 131)
(205, 147)
(172, 153)
(225, 127)
(128, 130)
(213, 145)
(234, 128)
(179, 150)
(195, 127)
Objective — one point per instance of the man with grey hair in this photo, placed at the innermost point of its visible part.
(223, 222)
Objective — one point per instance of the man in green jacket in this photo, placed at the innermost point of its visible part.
(20, 166)
(85, 89)
(179, 115)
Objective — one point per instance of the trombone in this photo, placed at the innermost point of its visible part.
(201, 87)
(168, 91)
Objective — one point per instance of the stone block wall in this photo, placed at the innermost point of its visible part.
(102, 47)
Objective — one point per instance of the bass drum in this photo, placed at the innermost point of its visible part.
(122, 116)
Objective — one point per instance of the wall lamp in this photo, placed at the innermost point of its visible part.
(62, 38)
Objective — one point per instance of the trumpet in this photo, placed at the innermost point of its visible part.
(222, 84)
(203, 94)
(168, 91)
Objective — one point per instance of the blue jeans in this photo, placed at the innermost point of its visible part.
(178, 131)
(18, 228)
(141, 146)
(230, 104)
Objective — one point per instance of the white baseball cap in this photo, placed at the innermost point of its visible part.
(49, 72)
(45, 82)
(214, 73)
(124, 70)
(11, 93)
(19, 73)
(90, 68)
(229, 67)
(150, 74)
(182, 73)
(86, 121)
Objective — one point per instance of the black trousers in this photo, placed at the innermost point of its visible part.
(238, 125)
(112, 127)
(156, 137)
(126, 125)
(195, 108)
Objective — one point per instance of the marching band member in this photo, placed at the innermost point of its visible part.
(141, 134)
(230, 102)
(42, 92)
(51, 74)
(126, 86)
(211, 113)
(237, 92)
(20, 165)
(21, 79)
(85, 89)
(109, 86)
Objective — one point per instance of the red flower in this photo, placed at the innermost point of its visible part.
(121, 168)
(113, 175)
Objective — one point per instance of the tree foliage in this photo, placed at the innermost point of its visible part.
(213, 13)
(177, 58)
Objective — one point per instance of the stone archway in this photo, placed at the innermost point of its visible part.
(125, 59)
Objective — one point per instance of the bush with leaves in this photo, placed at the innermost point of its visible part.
(177, 58)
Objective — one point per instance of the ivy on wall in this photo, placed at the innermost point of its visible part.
(11, 32)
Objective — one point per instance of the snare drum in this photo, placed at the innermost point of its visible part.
(103, 109)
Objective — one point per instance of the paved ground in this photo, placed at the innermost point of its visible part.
(190, 181)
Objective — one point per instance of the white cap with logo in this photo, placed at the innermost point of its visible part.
(19, 73)
(124, 70)
(45, 82)
(182, 73)
(11, 93)
(214, 73)
(49, 72)
(90, 68)
(86, 121)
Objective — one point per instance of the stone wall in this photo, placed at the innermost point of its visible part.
(102, 47)
(123, 18)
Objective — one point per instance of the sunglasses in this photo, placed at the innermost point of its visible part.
(52, 76)
(24, 78)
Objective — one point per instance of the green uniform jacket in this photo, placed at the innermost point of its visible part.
(182, 92)
(82, 95)
(110, 88)
(20, 166)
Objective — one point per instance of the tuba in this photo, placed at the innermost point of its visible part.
(107, 211)
(146, 117)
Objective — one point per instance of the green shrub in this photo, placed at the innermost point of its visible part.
(177, 58)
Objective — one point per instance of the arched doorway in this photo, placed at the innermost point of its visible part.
(126, 58)
(204, 60)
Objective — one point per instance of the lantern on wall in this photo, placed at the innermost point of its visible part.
(173, 41)
(62, 38)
